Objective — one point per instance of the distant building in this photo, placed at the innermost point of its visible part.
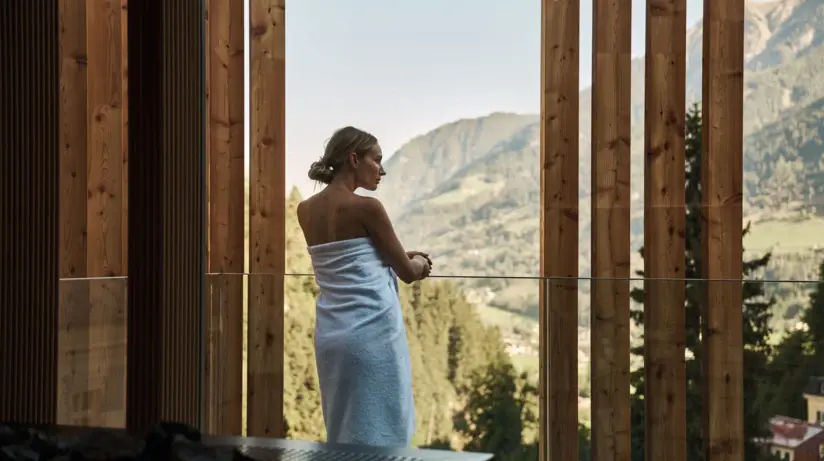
(797, 440)
(814, 395)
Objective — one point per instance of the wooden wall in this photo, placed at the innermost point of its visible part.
(95, 44)
(29, 141)
(167, 201)
(93, 218)
(225, 223)
(267, 211)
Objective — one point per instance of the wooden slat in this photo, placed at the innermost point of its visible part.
(104, 212)
(266, 221)
(73, 360)
(166, 204)
(124, 112)
(559, 229)
(721, 239)
(611, 230)
(93, 236)
(664, 220)
(224, 82)
(29, 209)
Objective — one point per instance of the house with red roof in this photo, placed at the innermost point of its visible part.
(798, 440)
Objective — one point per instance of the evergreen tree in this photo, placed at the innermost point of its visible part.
(799, 356)
(756, 310)
(813, 319)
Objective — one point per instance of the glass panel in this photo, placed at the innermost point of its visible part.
(462, 156)
(782, 361)
(92, 352)
(784, 393)
(225, 354)
(474, 364)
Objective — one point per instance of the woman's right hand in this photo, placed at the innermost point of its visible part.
(424, 266)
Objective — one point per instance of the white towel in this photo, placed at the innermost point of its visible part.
(361, 347)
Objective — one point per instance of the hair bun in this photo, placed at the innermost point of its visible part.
(321, 173)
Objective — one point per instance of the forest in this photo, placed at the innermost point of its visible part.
(470, 396)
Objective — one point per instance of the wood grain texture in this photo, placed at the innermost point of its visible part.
(664, 221)
(610, 234)
(559, 229)
(124, 112)
(93, 237)
(267, 219)
(104, 212)
(73, 318)
(721, 237)
(225, 150)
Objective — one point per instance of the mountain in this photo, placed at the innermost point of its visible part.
(468, 191)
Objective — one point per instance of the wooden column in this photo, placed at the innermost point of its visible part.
(104, 214)
(224, 147)
(664, 221)
(559, 229)
(92, 168)
(73, 356)
(29, 172)
(610, 234)
(721, 239)
(267, 256)
(167, 212)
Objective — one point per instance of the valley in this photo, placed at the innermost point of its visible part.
(468, 192)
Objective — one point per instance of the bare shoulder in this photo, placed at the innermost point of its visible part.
(369, 207)
(304, 207)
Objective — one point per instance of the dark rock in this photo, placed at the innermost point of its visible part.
(18, 453)
(166, 441)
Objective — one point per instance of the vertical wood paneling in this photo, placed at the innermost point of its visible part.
(29, 209)
(721, 239)
(267, 219)
(611, 230)
(166, 198)
(105, 128)
(124, 138)
(559, 229)
(92, 314)
(73, 357)
(104, 213)
(664, 220)
(225, 147)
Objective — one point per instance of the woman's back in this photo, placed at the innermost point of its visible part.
(360, 338)
(331, 216)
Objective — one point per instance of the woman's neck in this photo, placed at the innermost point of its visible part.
(344, 182)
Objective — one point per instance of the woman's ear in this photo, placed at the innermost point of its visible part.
(353, 160)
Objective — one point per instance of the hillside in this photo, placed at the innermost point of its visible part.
(459, 366)
(469, 191)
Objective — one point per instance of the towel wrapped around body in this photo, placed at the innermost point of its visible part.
(361, 347)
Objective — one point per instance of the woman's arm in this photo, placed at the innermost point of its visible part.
(377, 223)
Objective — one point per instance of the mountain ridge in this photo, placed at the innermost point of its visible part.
(469, 190)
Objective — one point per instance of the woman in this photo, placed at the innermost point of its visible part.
(360, 339)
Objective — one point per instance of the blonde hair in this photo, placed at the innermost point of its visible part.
(342, 143)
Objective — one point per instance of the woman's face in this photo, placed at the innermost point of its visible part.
(369, 169)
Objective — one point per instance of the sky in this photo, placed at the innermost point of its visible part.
(399, 68)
